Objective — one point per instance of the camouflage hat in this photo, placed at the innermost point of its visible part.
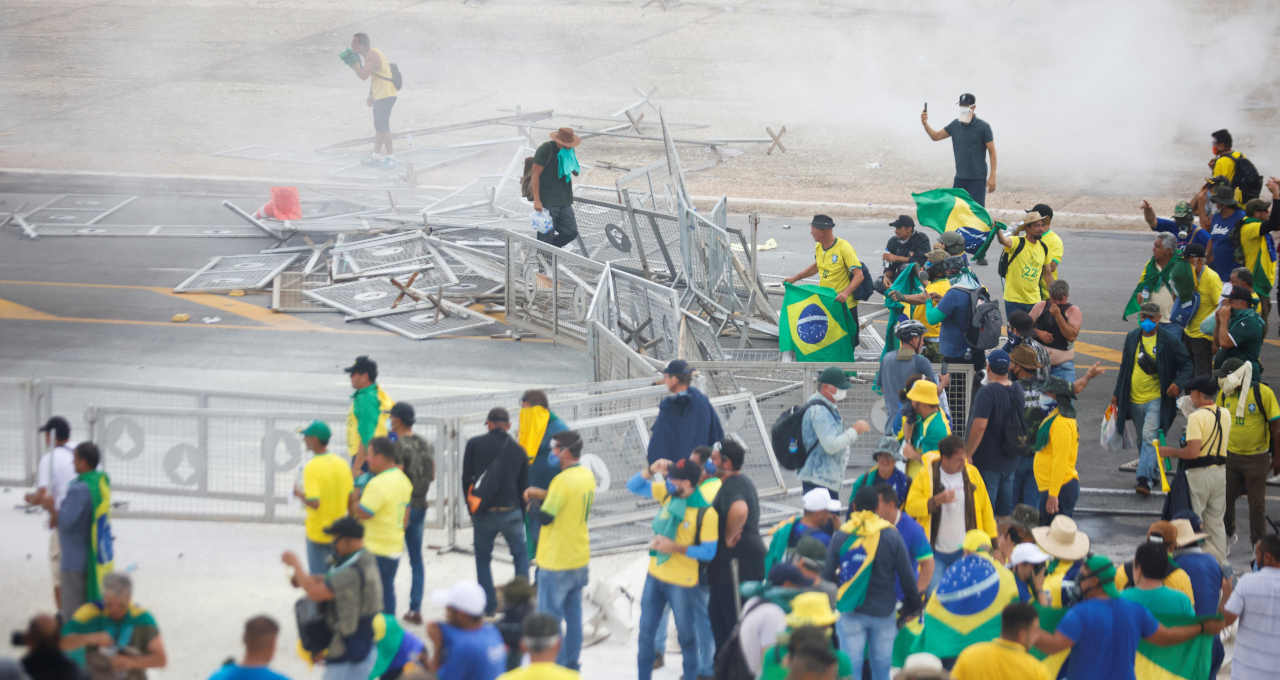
(1182, 211)
(936, 256)
(1224, 194)
(952, 242)
(1254, 205)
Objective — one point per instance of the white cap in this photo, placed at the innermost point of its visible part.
(922, 661)
(819, 499)
(465, 596)
(1028, 553)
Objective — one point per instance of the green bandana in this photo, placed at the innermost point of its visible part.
(568, 164)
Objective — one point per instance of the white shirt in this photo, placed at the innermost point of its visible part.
(759, 632)
(56, 471)
(951, 524)
(1256, 600)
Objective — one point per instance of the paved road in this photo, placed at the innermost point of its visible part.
(99, 307)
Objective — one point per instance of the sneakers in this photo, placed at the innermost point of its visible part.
(1143, 487)
(413, 617)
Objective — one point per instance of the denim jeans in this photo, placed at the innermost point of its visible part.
(1025, 491)
(702, 631)
(485, 527)
(1065, 370)
(387, 567)
(564, 226)
(942, 560)
(318, 556)
(1146, 420)
(1067, 497)
(684, 603)
(560, 595)
(869, 636)
(413, 545)
(1000, 488)
(352, 671)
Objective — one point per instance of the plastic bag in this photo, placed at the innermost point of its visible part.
(1113, 435)
(541, 221)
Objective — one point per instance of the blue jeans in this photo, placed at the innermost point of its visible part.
(413, 545)
(318, 556)
(1025, 491)
(485, 527)
(564, 226)
(560, 595)
(684, 603)
(1011, 307)
(1000, 488)
(942, 560)
(352, 671)
(869, 636)
(1146, 419)
(1065, 370)
(1067, 497)
(702, 631)
(387, 570)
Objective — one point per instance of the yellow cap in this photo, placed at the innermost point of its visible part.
(811, 609)
(976, 540)
(924, 391)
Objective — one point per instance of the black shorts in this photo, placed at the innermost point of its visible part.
(382, 114)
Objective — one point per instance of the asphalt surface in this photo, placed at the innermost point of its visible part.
(99, 307)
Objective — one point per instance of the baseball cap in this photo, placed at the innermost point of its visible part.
(1043, 209)
(817, 500)
(1149, 309)
(318, 429)
(952, 242)
(786, 572)
(1193, 250)
(967, 99)
(345, 527)
(58, 425)
(999, 360)
(832, 375)
(677, 367)
(363, 364)
(464, 596)
(1027, 553)
(823, 222)
(1240, 293)
(686, 469)
(1229, 366)
(903, 221)
(1255, 204)
(812, 551)
(403, 411)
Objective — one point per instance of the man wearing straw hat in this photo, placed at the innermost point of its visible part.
(1208, 585)
(1110, 628)
(555, 163)
(1063, 541)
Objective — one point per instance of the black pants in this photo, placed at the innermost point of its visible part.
(382, 114)
(1201, 351)
(977, 188)
(721, 606)
(564, 226)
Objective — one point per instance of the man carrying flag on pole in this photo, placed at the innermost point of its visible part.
(838, 267)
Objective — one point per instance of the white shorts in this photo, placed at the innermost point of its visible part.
(55, 557)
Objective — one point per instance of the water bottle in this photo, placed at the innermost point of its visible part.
(541, 221)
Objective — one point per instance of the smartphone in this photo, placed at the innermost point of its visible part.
(926, 107)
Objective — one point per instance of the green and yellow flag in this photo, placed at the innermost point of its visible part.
(856, 555)
(1186, 661)
(1176, 275)
(964, 611)
(946, 210)
(101, 555)
(815, 326)
(1264, 261)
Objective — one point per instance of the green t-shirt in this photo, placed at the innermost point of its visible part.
(552, 189)
(1246, 329)
(774, 670)
(1160, 601)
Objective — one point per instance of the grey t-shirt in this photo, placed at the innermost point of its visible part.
(894, 372)
(969, 145)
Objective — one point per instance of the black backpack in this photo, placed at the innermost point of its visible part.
(1247, 179)
(527, 179)
(985, 321)
(867, 287)
(1006, 259)
(1017, 442)
(731, 661)
(786, 439)
(396, 79)
(314, 632)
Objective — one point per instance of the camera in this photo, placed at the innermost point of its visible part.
(18, 638)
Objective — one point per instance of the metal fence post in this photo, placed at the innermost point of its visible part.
(202, 441)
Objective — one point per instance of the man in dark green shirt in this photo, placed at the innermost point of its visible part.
(1239, 329)
(554, 165)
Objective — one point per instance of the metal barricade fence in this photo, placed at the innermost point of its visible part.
(549, 290)
(245, 468)
(18, 439)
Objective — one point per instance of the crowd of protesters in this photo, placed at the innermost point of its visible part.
(836, 590)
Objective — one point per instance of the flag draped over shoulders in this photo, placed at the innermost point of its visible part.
(857, 553)
(1176, 275)
(101, 554)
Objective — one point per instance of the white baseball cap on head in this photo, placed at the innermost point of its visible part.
(465, 596)
(817, 500)
(1028, 553)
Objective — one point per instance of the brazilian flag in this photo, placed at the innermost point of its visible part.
(815, 325)
(964, 611)
(101, 553)
(1186, 661)
(946, 210)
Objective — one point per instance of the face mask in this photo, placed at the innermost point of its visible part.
(710, 467)
(841, 394)
(553, 460)
(1147, 325)
(963, 113)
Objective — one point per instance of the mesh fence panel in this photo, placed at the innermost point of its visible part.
(612, 359)
(549, 290)
(15, 457)
(646, 314)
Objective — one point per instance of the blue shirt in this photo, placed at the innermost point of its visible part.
(233, 672)
(799, 530)
(956, 311)
(478, 654)
(1224, 254)
(1106, 634)
(1172, 227)
(75, 522)
(918, 547)
(1206, 579)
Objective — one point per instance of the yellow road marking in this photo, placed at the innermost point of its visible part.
(1098, 351)
(13, 310)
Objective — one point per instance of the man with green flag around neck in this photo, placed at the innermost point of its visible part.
(1258, 247)
(865, 558)
(1166, 276)
(84, 529)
